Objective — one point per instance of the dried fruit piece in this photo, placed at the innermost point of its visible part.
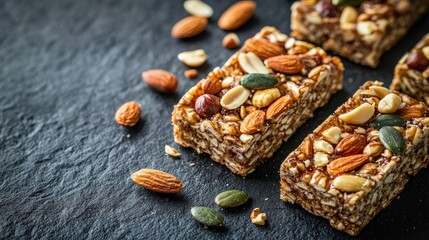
(288, 64)
(390, 103)
(252, 123)
(258, 81)
(208, 216)
(161, 80)
(387, 120)
(128, 114)
(207, 105)
(346, 164)
(189, 27)
(198, 8)
(359, 115)
(263, 48)
(191, 73)
(278, 107)
(258, 217)
(194, 58)
(263, 98)
(157, 181)
(231, 198)
(231, 41)
(235, 97)
(417, 60)
(349, 183)
(392, 139)
(237, 15)
(171, 151)
(251, 63)
(326, 9)
(351, 145)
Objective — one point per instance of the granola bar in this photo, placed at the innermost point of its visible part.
(241, 112)
(358, 30)
(412, 72)
(359, 158)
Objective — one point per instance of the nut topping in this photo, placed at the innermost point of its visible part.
(251, 63)
(235, 97)
(410, 112)
(278, 107)
(254, 122)
(211, 86)
(207, 105)
(332, 135)
(390, 103)
(346, 164)
(288, 64)
(359, 115)
(323, 146)
(263, 98)
(380, 92)
(417, 60)
(351, 145)
(349, 183)
(263, 48)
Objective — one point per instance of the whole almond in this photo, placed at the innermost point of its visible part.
(278, 107)
(161, 80)
(128, 114)
(263, 48)
(410, 112)
(189, 27)
(157, 181)
(237, 15)
(231, 41)
(346, 164)
(211, 86)
(307, 147)
(288, 64)
(254, 122)
(351, 145)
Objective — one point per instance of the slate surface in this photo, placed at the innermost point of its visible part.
(66, 66)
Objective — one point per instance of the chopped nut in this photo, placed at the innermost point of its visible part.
(194, 58)
(323, 146)
(320, 159)
(366, 28)
(359, 115)
(191, 73)
(258, 217)
(348, 15)
(172, 151)
(332, 135)
(226, 83)
(263, 98)
(231, 41)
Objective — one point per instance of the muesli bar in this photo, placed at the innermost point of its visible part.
(359, 159)
(358, 30)
(242, 112)
(412, 72)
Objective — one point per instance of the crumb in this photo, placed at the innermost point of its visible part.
(350, 80)
(128, 135)
(266, 199)
(227, 184)
(191, 73)
(192, 164)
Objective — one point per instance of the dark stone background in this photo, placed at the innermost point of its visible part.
(66, 66)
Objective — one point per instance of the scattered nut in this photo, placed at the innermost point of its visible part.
(231, 41)
(237, 15)
(194, 58)
(207, 105)
(172, 151)
(191, 73)
(390, 103)
(157, 181)
(161, 80)
(359, 115)
(189, 27)
(128, 114)
(258, 217)
(198, 8)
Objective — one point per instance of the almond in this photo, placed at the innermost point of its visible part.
(278, 107)
(128, 114)
(410, 112)
(211, 86)
(254, 122)
(263, 48)
(161, 80)
(237, 15)
(307, 147)
(157, 181)
(288, 64)
(351, 145)
(231, 41)
(346, 164)
(189, 27)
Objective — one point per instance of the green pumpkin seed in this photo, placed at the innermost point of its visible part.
(346, 2)
(387, 120)
(258, 81)
(231, 198)
(208, 216)
(392, 139)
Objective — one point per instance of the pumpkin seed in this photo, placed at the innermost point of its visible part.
(387, 120)
(208, 216)
(231, 198)
(392, 139)
(258, 81)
